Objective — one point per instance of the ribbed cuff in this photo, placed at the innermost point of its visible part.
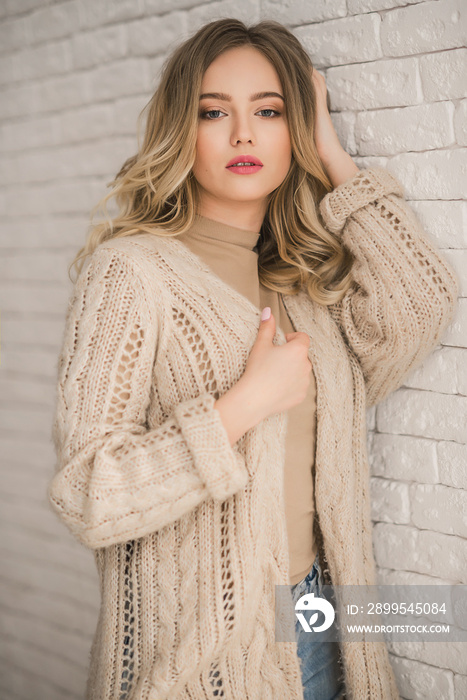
(220, 466)
(365, 187)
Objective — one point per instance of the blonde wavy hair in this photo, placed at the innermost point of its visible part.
(157, 193)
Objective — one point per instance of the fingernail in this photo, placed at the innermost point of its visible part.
(266, 313)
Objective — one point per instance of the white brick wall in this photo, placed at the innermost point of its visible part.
(74, 76)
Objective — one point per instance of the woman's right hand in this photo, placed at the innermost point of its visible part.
(277, 376)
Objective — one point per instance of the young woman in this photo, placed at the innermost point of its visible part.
(207, 452)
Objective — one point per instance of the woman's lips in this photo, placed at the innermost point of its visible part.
(244, 158)
(244, 169)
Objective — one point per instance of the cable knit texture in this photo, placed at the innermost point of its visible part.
(188, 532)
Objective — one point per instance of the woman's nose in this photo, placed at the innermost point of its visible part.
(242, 131)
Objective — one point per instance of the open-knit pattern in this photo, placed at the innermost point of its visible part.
(188, 532)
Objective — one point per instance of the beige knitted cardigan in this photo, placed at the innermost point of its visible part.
(189, 533)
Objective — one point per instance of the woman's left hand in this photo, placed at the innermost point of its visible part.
(326, 139)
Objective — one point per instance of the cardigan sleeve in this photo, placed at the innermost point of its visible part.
(116, 479)
(403, 293)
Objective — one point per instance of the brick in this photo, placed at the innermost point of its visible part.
(456, 333)
(302, 12)
(24, 486)
(461, 372)
(460, 686)
(360, 6)
(427, 26)
(371, 161)
(371, 418)
(42, 61)
(67, 675)
(341, 41)
(10, 171)
(37, 603)
(32, 392)
(23, 134)
(88, 122)
(452, 458)
(443, 74)
(417, 680)
(78, 583)
(63, 92)
(423, 551)
(53, 22)
(416, 128)
(159, 7)
(155, 35)
(444, 221)
(70, 197)
(424, 413)
(404, 458)
(460, 123)
(438, 507)
(29, 362)
(119, 78)
(16, 7)
(16, 682)
(97, 14)
(81, 159)
(10, 68)
(27, 232)
(432, 175)
(125, 114)
(19, 100)
(448, 656)
(389, 501)
(30, 266)
(436, 373)
(17, 331)
(377, 84)
(22, 517)
(39, 420)
(14, 34)
(409, 578)
(29, 453)
(100, 46)
(247, 11)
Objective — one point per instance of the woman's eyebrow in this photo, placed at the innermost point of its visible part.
(228, 98)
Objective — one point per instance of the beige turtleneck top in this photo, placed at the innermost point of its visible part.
(230, 253)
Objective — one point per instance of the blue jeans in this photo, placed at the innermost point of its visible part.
(320, 666)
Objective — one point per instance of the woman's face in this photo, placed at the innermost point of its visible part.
(235, 125)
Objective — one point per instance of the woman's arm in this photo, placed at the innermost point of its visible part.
(239, 410)
(338, 164)
(404, 292)
(115, 479)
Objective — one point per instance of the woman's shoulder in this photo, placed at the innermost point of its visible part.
(154, 259)
(143, 251)
(160, 265)
(135, 243)
(121, 261)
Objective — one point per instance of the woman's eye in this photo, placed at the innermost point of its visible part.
(204, 115)
(209, 111)
(271, 110)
